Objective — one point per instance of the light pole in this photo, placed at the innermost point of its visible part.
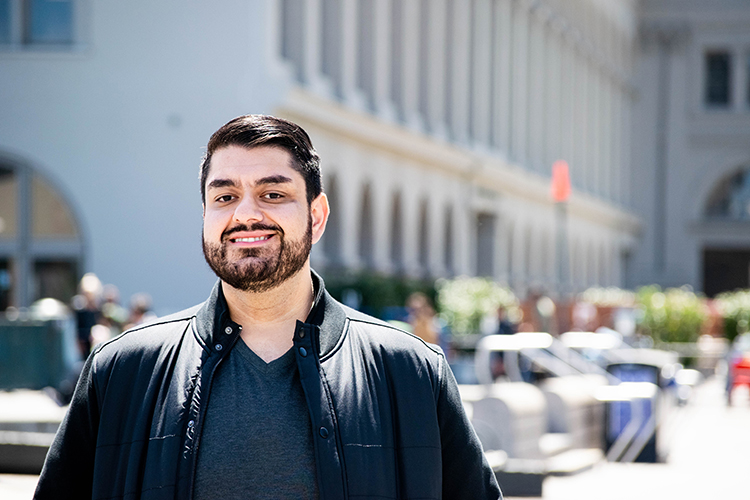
(560, 190)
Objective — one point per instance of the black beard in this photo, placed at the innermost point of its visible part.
(260, 274)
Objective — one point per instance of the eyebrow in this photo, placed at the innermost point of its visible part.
(220, 183)
(271, 179)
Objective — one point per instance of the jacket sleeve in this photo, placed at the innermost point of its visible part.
(69, 467)
(466, 472)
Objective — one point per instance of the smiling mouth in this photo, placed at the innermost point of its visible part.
(251, 240)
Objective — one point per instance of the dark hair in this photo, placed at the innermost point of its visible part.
(252, 131)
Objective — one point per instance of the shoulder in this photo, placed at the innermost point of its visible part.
(375, 334)
(385, 331)
(148, 338)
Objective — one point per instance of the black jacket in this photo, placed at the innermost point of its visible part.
(385, 411)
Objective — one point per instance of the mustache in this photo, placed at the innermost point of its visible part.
(258, 226)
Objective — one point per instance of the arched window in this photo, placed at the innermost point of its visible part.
(509, 249)
(366, 233)
(424, 236)
(485, 234)
(730, 199)
(397, 243)
(41, 250)
(448, 241)
(332, 236)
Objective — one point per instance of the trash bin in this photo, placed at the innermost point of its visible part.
(620, 413)
(33, 354)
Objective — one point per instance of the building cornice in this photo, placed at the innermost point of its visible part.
(479, 169)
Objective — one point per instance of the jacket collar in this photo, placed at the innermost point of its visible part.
(326, 318)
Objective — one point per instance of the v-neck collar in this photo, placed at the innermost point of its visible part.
(327, 316)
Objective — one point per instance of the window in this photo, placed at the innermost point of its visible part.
(730, 199)
(485, 227)
(37, 22)
(397, 233)
(41, 248)
(448, 240)
(5, 21)
(424, 237)
(332, 236)
(718, 78)
(8, 203)
(366, 231)
(48, 21)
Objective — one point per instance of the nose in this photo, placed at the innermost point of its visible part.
(248, 209)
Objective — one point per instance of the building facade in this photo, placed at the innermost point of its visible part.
(693, 145)
(438, 122)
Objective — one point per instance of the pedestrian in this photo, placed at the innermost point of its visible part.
(504, 325)
(140, 310)
(88, 313)
(270, 389)
(422, 318)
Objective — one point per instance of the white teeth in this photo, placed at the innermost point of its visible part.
(251, 240)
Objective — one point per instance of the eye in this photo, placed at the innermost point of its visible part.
(273, 196)
(224, 198)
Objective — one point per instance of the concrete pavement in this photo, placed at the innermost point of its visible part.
(709, 458)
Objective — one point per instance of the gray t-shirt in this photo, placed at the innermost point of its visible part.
(256, 441)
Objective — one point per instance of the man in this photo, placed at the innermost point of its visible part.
(270, 389)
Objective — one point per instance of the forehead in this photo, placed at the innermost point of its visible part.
(248, 164)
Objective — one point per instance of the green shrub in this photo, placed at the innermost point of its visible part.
(734, 308)
(673, 315)
(377, 292)
(464, 302)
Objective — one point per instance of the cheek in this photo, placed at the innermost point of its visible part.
(212, 226)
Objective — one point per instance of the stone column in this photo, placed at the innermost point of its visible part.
(351, 95)
(23, 265)
(554, 97)
(580, 112)
(567, 108)
(519, 94)
(536, 96)
(459, 74)
(410, 49)
(312, 73)
(503, 41)
(382, 98)
(607, 100)
(481, 41)
(594, 128)
(434, 112)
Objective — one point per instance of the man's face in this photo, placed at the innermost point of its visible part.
(257, 225)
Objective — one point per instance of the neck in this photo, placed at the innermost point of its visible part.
(268, 318)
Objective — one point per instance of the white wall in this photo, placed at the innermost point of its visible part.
(120, 123)
(700, 145)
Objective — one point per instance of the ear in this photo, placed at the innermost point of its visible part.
(204, 210)
(319, 211)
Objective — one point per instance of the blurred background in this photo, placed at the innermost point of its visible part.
(492, 166)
